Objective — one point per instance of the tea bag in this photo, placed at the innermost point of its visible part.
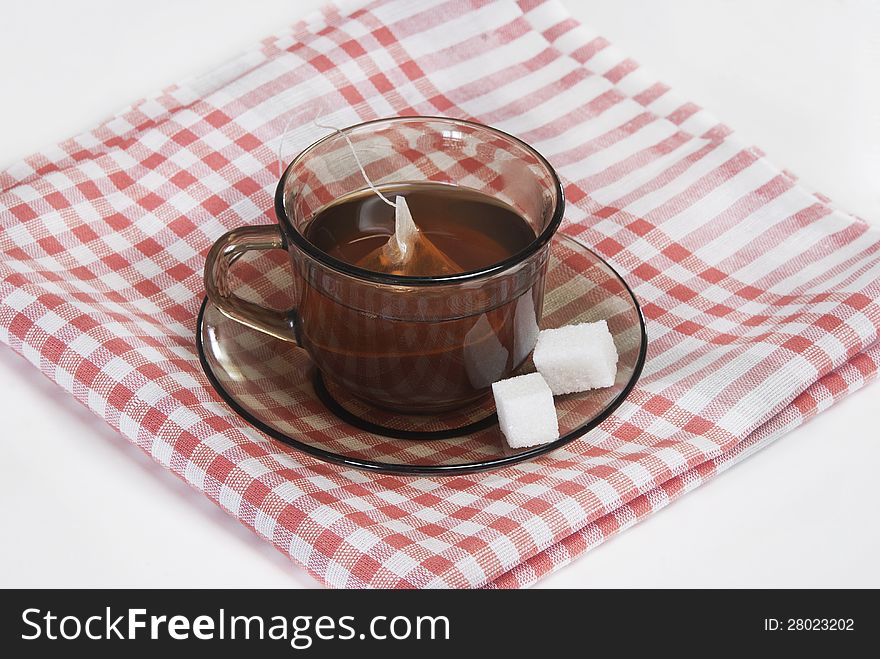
(408, 251)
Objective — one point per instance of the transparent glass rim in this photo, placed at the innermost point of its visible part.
(302, 243)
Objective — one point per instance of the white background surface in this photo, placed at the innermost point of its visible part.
(79, 506)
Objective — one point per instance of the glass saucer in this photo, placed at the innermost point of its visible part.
(273, 386)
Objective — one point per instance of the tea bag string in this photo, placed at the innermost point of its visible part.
(405, 229)
(348, 141)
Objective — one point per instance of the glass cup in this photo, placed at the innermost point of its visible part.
(409, 344)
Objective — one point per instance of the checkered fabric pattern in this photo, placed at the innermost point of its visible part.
(761, 296)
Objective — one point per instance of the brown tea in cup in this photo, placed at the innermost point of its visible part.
(420, 362)
(462, 230)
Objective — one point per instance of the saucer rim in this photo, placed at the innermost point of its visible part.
(402, 469)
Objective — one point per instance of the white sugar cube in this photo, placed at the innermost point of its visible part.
(576, 357)
(526, 413)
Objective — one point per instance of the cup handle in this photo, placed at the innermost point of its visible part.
(231, 245)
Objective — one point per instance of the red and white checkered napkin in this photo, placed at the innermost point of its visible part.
(761, 297)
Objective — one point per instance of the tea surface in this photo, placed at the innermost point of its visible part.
(469, 229)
